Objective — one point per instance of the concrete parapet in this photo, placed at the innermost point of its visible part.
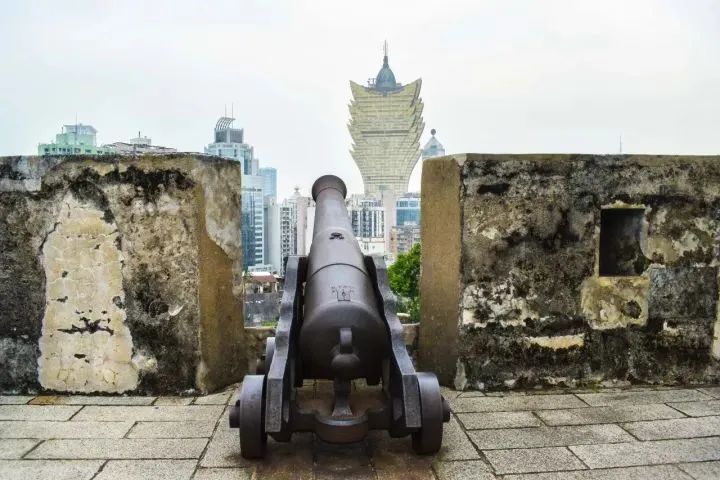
(120, 274)
(570, 269)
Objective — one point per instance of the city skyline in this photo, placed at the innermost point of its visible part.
(490, 85)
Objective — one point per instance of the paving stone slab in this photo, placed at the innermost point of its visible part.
(37, 412)
(342, 461)
(702, 470)
(220, 398)
(522, 460)
(147, 469)
(49, 469)
(479, 421)
(394, 458)
(172, 430)
(698, 409)
(15, 399)
(292, 460)
(655, 472)
(48, 430)
(123, 448)
(678, 428)
(548, 436)
(15, 448)
(450, 393)
(515, 403)
(595, 415)
(649, 453)
(464, 470)
(224, 447)
(712, 391)
(90, 400)
(641, 397)
(223, 474)
(455, 445)
(200, 413)
(173, 401)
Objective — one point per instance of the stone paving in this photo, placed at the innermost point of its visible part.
(639, 433)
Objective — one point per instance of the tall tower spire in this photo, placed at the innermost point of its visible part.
(385, 53)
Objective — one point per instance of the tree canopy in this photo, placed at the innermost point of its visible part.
(404, 276)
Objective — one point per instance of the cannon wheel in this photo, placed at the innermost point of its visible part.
(263, 366)
(428, 439)
(253, 438)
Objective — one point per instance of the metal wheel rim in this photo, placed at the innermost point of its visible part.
(428, 439)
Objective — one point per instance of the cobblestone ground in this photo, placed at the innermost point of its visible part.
(633, 433)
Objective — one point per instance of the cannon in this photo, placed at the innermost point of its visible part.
(337, 328)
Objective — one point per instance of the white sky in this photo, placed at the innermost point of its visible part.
(498, 76)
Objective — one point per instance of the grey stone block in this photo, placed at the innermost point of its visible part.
(146, 469)
(15, 399)
(49, 469)
(91, 400)
(515, 403)
(533, 460)
(11, 449)
(456, 444)
(703, 470)
(223, 474)
(173, 401)
(698, 409)
(465, 470)
(655, 472)
(548, 436)
(649, 453)
(37, 412)
(202, 413)
(595, 415)
(224, 447)
(220, 398)
(124, 448)
(642, 397)
(172, 430)
(678, 428)
(478, 421)
(47, 430)
(712, 391)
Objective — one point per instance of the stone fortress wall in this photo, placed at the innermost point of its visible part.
(120, 274)
(570, 270)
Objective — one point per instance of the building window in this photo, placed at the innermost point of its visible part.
(620, 242)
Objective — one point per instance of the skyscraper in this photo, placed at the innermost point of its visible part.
(269, 175)
(385, 125)
(229, 143)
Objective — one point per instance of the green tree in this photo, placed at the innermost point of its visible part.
(404, 276)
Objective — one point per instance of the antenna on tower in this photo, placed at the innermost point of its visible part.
(385, 48)
(620, 144)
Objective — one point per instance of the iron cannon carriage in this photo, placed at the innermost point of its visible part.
(337, 325)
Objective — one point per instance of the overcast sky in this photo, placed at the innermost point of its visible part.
(498, 76)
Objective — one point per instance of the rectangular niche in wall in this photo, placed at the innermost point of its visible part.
(620, 237)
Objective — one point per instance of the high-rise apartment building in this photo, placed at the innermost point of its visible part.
(385, 125)
(75, 139)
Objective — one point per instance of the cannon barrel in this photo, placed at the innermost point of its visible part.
(343, 335)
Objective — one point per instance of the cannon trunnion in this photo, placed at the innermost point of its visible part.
(338, 324)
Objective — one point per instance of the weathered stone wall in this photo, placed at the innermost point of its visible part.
(120, 274)
(570, 269)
